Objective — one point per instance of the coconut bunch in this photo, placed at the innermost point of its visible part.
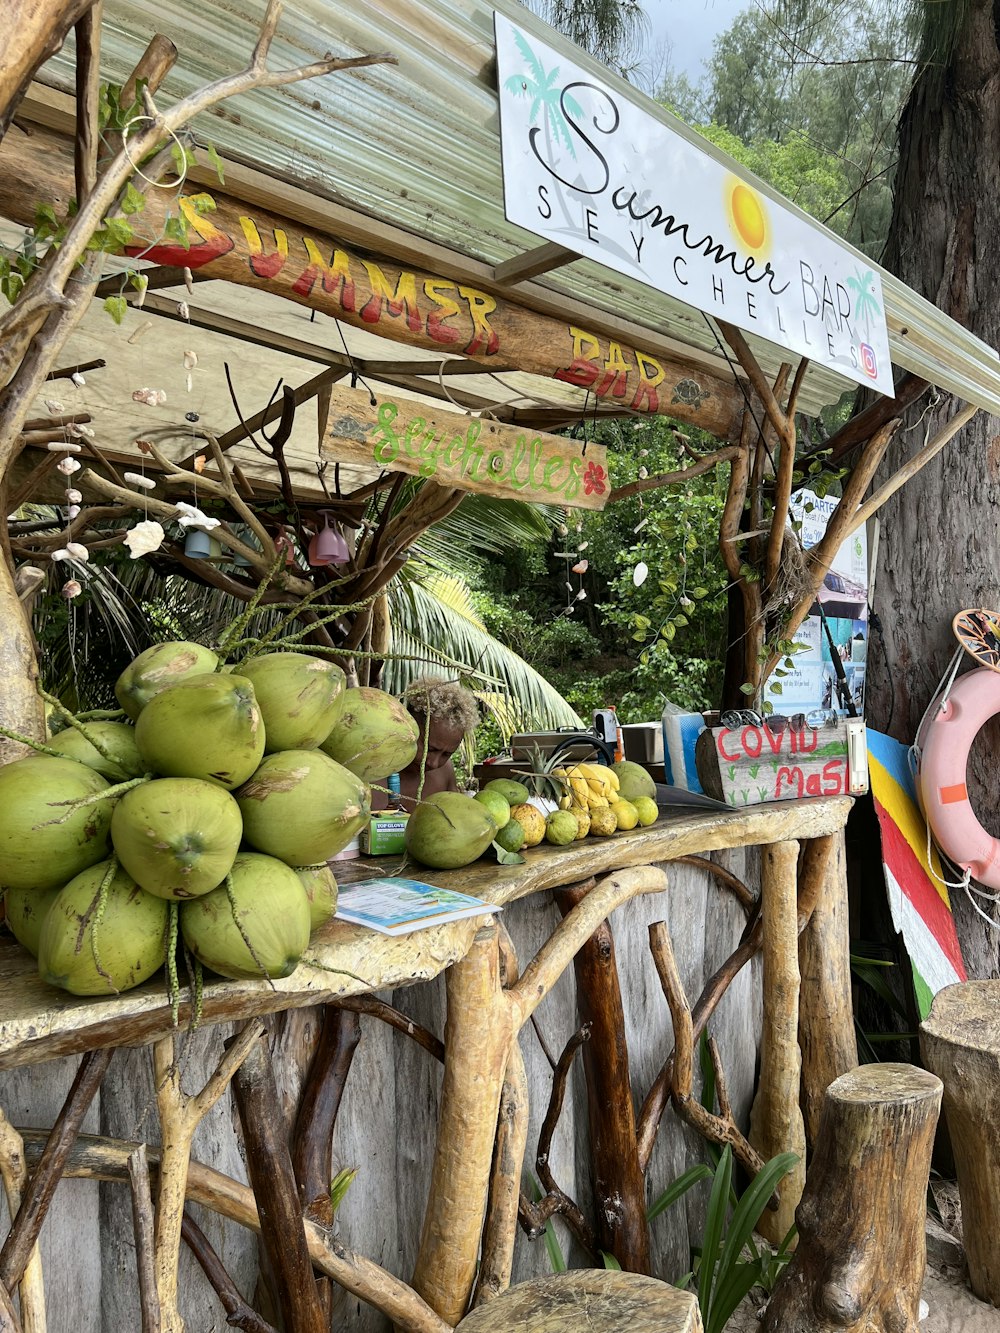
(209, 815)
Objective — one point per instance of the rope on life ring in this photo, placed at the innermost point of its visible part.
(943, 744)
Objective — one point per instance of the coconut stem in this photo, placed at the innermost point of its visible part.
(34, 745)
(173, 983)
(101, 715)
(242, 620)
(231, 895)
(109, 793)
(74, 722)
(102, 902)
(339, 971)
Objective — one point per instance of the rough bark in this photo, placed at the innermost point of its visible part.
(944, 232)
(34, 30)
(619, 1184)
(959, 1041)
(592, 1299)
(860, 1261)
(776, 1121)
(21, 709)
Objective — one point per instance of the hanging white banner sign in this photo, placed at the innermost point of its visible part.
(587, 168)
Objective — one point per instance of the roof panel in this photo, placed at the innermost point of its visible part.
(418, 144)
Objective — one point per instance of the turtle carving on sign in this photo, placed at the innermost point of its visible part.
(690, 393)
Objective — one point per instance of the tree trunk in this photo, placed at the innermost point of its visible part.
(21, 709)
(34, 30)
(860, 1261)
(938, 538)
(960, 1043)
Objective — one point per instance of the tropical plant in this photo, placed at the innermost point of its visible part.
(611, 30)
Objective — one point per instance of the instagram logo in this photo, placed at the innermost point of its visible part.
(869, 364)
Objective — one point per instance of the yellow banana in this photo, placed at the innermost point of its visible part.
(598, 802)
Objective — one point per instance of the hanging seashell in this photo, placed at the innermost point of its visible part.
(581, 567)
(144, 537)
(640, 573)
(643, 473)
(78, 551)
(64, 447)
(145, 326)
(199, 463)
(569, 587)
(54, 408)
(190, 360)
(192, 517)
(562, 530)
(80, 429)
(189, 281)
(71, 588)
(183, 310)
(581, 596)
(73, 510)
(67, 466)
(74, 497)
(137, 479)
(78, 380)
(61, 554)
(583, 545)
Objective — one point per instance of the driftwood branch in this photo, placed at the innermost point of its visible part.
(96, 1158)
(14, 1174)
(180, 1116)
(143, 1227)
(269, 1166)
(37, 1196)
(239, 1314)
(497, 1258)
(704, 464)
(718, 1129)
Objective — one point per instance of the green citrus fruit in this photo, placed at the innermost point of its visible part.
(511, 837)
(497, 805)
(625, 813)
(647, 810)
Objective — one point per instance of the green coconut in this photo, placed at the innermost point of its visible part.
(633, 781)
(298, 697)
(177, 837)
(449, 830)
(36, 853)
(206, 727)
(87, 956)
(269, 908)
(117, 738)
(24, 912)
(302, 807)
(321, 892)
(162, 665)
(373, 735)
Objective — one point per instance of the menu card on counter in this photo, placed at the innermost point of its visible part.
(397, 906)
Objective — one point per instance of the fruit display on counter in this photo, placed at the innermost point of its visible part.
(204, 822)
(206, 816)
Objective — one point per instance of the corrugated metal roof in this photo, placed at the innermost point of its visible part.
(418, 145)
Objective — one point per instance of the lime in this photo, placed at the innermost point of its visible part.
(561, 828)
(625, 813)
(511, 837)
(647, 810)
(497, 805)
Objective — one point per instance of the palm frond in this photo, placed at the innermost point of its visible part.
(483, 525)
(433, 618)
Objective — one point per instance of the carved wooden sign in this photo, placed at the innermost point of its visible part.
(472, 453)
(749, 765)
(311, 265)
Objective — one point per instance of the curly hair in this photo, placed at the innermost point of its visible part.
(444, 700)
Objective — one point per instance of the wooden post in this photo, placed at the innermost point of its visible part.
(860, 1261)
(960, 1042)
(776, 1123)
(826, 1015)
(619, 1183)
(269, 1166)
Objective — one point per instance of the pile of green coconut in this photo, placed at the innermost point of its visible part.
(202, 823)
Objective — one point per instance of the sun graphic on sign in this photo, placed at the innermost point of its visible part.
(748, 218)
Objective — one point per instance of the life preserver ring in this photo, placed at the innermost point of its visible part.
(944, 741)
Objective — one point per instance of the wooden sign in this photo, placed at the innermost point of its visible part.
(749, 765)
(472, 453)
(230, 240)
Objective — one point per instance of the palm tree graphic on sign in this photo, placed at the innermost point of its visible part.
(546, 96)
(865, 304)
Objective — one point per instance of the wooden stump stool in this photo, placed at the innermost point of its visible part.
(861, 1255)
(591, 1299)
(960, 1041)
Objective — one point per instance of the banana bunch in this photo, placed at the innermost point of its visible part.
(591, 786)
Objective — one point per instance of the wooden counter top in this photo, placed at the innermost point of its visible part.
(39, 1022)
